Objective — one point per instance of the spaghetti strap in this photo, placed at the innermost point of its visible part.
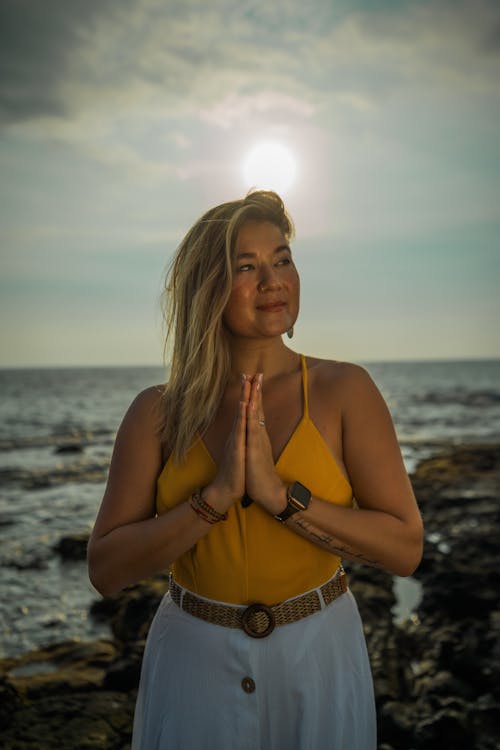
(304, 386)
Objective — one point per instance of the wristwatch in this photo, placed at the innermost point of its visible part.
(298, 498)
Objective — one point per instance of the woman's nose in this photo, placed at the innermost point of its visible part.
(268, 280)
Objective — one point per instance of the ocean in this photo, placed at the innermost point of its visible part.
(57, 428)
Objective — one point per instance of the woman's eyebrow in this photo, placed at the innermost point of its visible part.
(247, 254)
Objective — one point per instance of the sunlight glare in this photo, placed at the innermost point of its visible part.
(269, 166)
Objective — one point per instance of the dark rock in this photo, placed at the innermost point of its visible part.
(104, 609)
(131, 611)
(137, 607)
(10, 702)
(69, 448)
(7, 520)
(434, 685)
(396, 723)
(124, 673)
(447, 728)
(458, 631)
(54, 697)
(73, 546)
(64, 667)
(485, 718)
(89, 720)
(461, 464)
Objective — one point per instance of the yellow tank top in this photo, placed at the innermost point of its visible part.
(252, 556)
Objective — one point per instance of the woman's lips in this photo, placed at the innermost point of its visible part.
(272, 307)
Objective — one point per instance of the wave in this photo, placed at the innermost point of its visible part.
(473, 399)
(41, 478)
(61, 442)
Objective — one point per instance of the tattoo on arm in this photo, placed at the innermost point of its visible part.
(328, 542)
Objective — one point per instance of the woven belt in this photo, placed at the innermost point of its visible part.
(259, 620)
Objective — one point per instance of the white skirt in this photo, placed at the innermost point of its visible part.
(306, 686)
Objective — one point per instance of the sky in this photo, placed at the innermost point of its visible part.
(122, 121)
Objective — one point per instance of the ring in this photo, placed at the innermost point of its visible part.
(262, 422)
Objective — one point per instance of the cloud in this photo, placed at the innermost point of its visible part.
(233, 108)
(64, 59)
(144, 88)
(38, 42)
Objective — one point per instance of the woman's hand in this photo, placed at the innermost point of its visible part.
(262, 482)
(229, 483)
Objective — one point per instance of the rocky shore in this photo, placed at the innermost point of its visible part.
(436, 674)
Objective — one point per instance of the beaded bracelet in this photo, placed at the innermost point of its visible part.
(200, 503)
(200, 513)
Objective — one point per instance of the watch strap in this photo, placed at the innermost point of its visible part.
(293, 503)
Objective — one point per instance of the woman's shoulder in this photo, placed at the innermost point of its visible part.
(339, 383)
(149, 397)
(146, 407)
(347, 385)
(328, 372)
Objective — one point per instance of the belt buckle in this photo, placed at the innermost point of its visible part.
(252, 610)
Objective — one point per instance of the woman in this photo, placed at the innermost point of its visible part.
(240, 475)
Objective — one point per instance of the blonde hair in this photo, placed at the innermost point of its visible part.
(197, 288)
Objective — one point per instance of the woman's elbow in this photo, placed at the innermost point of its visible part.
(96, 580)
(413, 551)
(95, 571)
(102, 586)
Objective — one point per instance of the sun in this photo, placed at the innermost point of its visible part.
(269, 166)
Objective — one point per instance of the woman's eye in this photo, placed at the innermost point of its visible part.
(251, 266)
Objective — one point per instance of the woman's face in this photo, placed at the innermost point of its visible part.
(264, 299)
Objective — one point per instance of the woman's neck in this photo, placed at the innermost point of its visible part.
(269, 356)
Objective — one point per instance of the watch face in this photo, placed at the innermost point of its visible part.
(300, 493)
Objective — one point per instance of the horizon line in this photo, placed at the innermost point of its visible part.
(102, 366)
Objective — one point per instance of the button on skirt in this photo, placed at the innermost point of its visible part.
(306, 686)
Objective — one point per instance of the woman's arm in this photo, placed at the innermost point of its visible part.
(385, 530)
(128, 543)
